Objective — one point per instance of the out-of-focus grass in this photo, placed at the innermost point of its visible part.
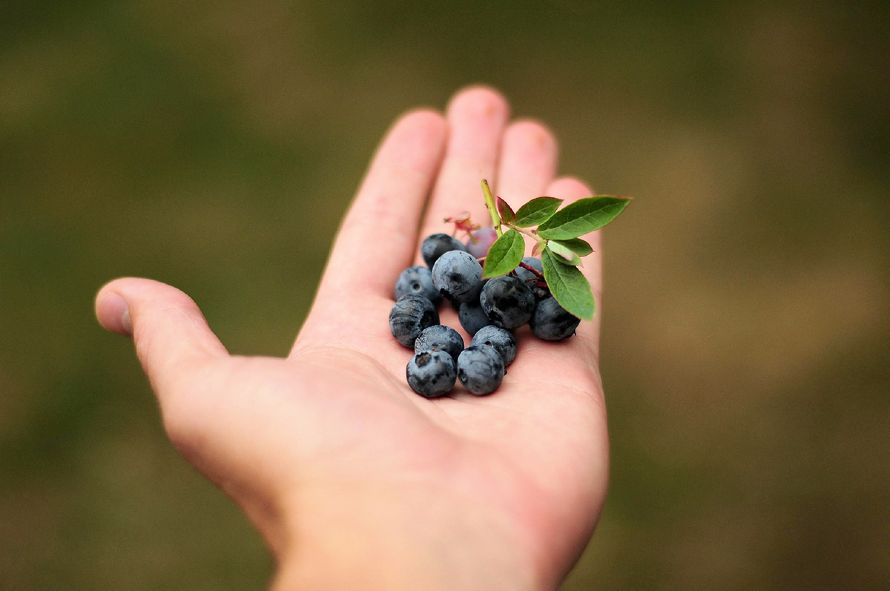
(214, 145)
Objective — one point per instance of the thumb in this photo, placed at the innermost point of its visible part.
(168, 329)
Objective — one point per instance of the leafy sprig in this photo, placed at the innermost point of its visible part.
(557, 235)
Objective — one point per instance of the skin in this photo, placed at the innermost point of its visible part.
(353, 480)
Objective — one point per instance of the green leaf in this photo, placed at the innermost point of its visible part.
(576, 245)
(568, 285)
(537, 211)
(583, 216)
(504, 255)
(567, 255)
(506, 211)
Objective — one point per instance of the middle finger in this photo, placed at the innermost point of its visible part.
(476, 118)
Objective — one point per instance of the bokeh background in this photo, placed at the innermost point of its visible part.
(215, 145)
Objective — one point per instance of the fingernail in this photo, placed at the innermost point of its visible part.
(117, 309)
(126, 323)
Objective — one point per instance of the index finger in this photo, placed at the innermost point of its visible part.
(378, 236)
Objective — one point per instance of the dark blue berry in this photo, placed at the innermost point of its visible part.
(500, 338)
(551, 322)
(507, 301)
(480, 369)
(439, 338)
(471, 317)
(409, 316)
(435, 245)
(457, 275)
(431, 373)
(531, 279)
(417, 280)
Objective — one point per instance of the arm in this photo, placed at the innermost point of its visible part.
(351, 477)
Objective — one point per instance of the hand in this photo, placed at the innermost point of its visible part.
(354, 480)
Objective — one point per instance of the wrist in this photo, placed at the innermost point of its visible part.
(384, 540)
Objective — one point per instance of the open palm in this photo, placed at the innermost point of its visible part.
(352, 478)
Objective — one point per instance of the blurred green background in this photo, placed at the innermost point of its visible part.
(215, 145)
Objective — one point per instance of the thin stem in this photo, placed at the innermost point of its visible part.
(528, 267)
(492, 208)
(530, 233)
(527, 232)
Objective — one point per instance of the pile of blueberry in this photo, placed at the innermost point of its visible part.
(488, 309)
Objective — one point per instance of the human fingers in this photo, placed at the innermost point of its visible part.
(378, 236)
(169, 331)
(476, 118)
(529, 155)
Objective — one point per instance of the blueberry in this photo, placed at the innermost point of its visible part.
(409, 316)
(417, 280)
(530, 278)
(551, 322)
(507, 301)
(435, 245)
(472, 317)
(480, 369)
(471, 298)
(480, 241)
(431, 373)
(439, 338)
(500, 338)
(457, 275)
